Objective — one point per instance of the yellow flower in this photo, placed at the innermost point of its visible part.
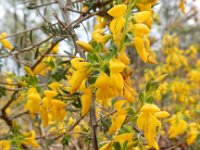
(148, 122)
(75, 62)
(178, 125)
(182, 6)
(129, 93)
(141, 17)
(58, 110)
(124, 137)
(116, 66)
(4, 145)
(140, 30)
(44, 115)
(33, 102)
(116, 83)
(150, 108)
(84, 8)
(124, 58)
(119, 117)
(143, 6)
(5, 42)
(101, 23)
(117, 24)
(54, 86)
(139, 45)
(28, 71)
(151, 58)
(107, 146)
(117, 122)
(104, 94)
(99, 37)
(86, 100)
(50, 94)
(193, 133)
(29, 139)
(79, 76)
(40, 69)
(85, 46)
(148, 1)
(117, 10)
(55, 49)
(102, 81)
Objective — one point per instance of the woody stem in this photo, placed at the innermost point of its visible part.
(93, 124)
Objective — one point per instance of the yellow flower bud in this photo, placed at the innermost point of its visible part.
(75, 62)
(102, 80)
(124, 137)
(30, 139)
(139, 45)
(86, 100)
(117, 24)
(150, 108)
(141, 17)
(58, 110)
(85, 46)
(117, 10)
(107, 146)
(140, 30)
(5, 145)
(116, 65)
(162, 114)
(55, 49)
(28, 71)
(50, 94)
(124, 58)
(5, 42)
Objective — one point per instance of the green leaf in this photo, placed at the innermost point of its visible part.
(31, 5)
(77, 103)
(128, 39)
(65, 140)
(125, 145)
(32, 80)
(152, 86)
(92, 79)
(2, 91)
(142, 97)
(36, 53)
(92, 58)
(105, 124)
(60, 73)
(117, 146)
(150, 99)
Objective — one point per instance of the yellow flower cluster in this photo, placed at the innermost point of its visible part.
(5, 42)
(148, 122)
(193, 133)
(52, 109)
(33, 102)
(49, 108)
(178, 125)
(28, 140)
(43, 67)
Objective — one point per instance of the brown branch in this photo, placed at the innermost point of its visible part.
(45, 53)
(28, 48)
(19, 115)
(28, 30)
(4, 115)
(7, 83)
(114, 111)
(93, 124)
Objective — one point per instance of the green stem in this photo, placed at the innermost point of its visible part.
(132, 4)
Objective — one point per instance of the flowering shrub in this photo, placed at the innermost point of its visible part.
(88, 99)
